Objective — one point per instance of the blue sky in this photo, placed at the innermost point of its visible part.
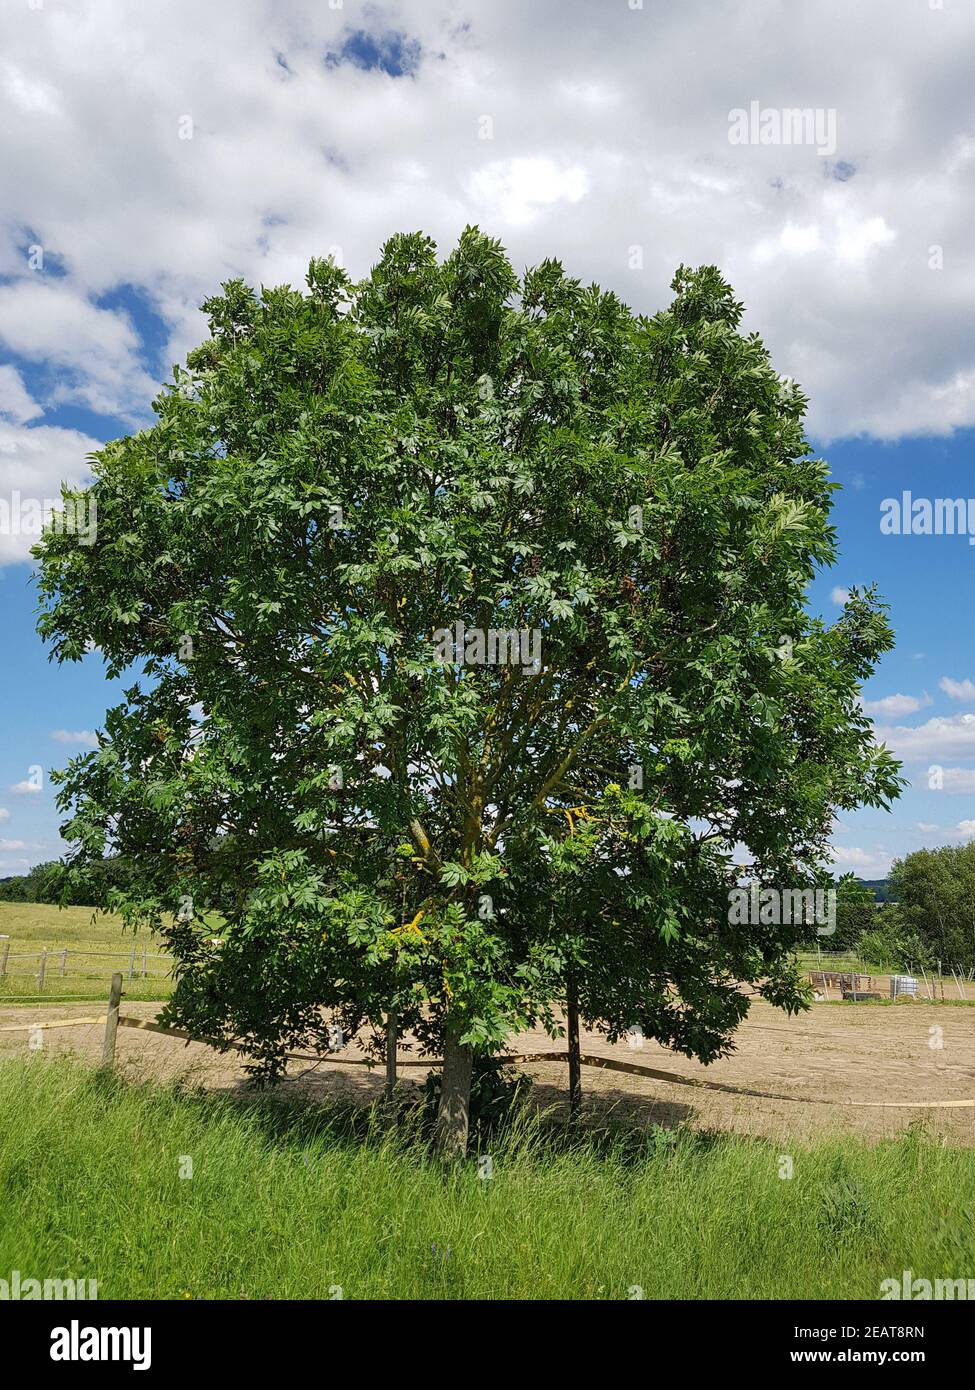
(243, 138)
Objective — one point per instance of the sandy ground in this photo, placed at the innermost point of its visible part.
(832, 1054)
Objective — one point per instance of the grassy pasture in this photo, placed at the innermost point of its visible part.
(91, 1187)
(31, 926)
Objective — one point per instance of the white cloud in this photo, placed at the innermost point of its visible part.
(857, 237)
(15, 400)
(869, 863)
(12, 844)
(964, 830)
(839, 595)
(958, 690)
(957, 780)
(4, 813)
(893, 705)
(518, 190)
(610, 130)
(935, 740)
(85, 737)
(847, 239)
(33, 461)
(96, 350)
(28, 93)
(797, 241)
(24, 788)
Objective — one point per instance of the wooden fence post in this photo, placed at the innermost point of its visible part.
(572, 1038)
(143, 962)
(41, 966)
(64, 962)
(111, 1022)
(3, 959)
(132, 963)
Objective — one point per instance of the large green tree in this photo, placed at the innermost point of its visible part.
(857, 911)
(935, 904)
(396, 816)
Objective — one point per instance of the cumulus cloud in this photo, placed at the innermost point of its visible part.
(95, 351)
(34, 459)
(4, 813)
(868, 863)
(957, 690)
(964, 830)
(25, 788)
(935, 740)
(83, 737)
(893, 705)
(12, 844)
(520, 190)
(16, 401)
(839, 595)
(199, 142)
(957, 780)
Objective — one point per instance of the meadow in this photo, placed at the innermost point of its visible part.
(294, 1200)
(31, 926)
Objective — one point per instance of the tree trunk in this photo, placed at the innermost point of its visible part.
(572, 1038)
(453, 1117)
(392, 1030)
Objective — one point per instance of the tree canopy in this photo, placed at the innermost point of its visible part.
(465, 621)
(856, 912)
(935, 908)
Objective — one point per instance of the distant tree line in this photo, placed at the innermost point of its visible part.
(54, 882)
(926, 913)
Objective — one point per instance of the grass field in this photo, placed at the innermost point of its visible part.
(307, 1200)
(31, 926)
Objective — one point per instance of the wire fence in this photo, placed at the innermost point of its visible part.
(68, 962)
(849, 974)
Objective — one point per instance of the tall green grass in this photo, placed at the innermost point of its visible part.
(289, 1202)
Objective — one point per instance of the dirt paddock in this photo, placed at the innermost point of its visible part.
(833, 1054)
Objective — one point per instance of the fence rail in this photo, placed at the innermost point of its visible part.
(113, 1020)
